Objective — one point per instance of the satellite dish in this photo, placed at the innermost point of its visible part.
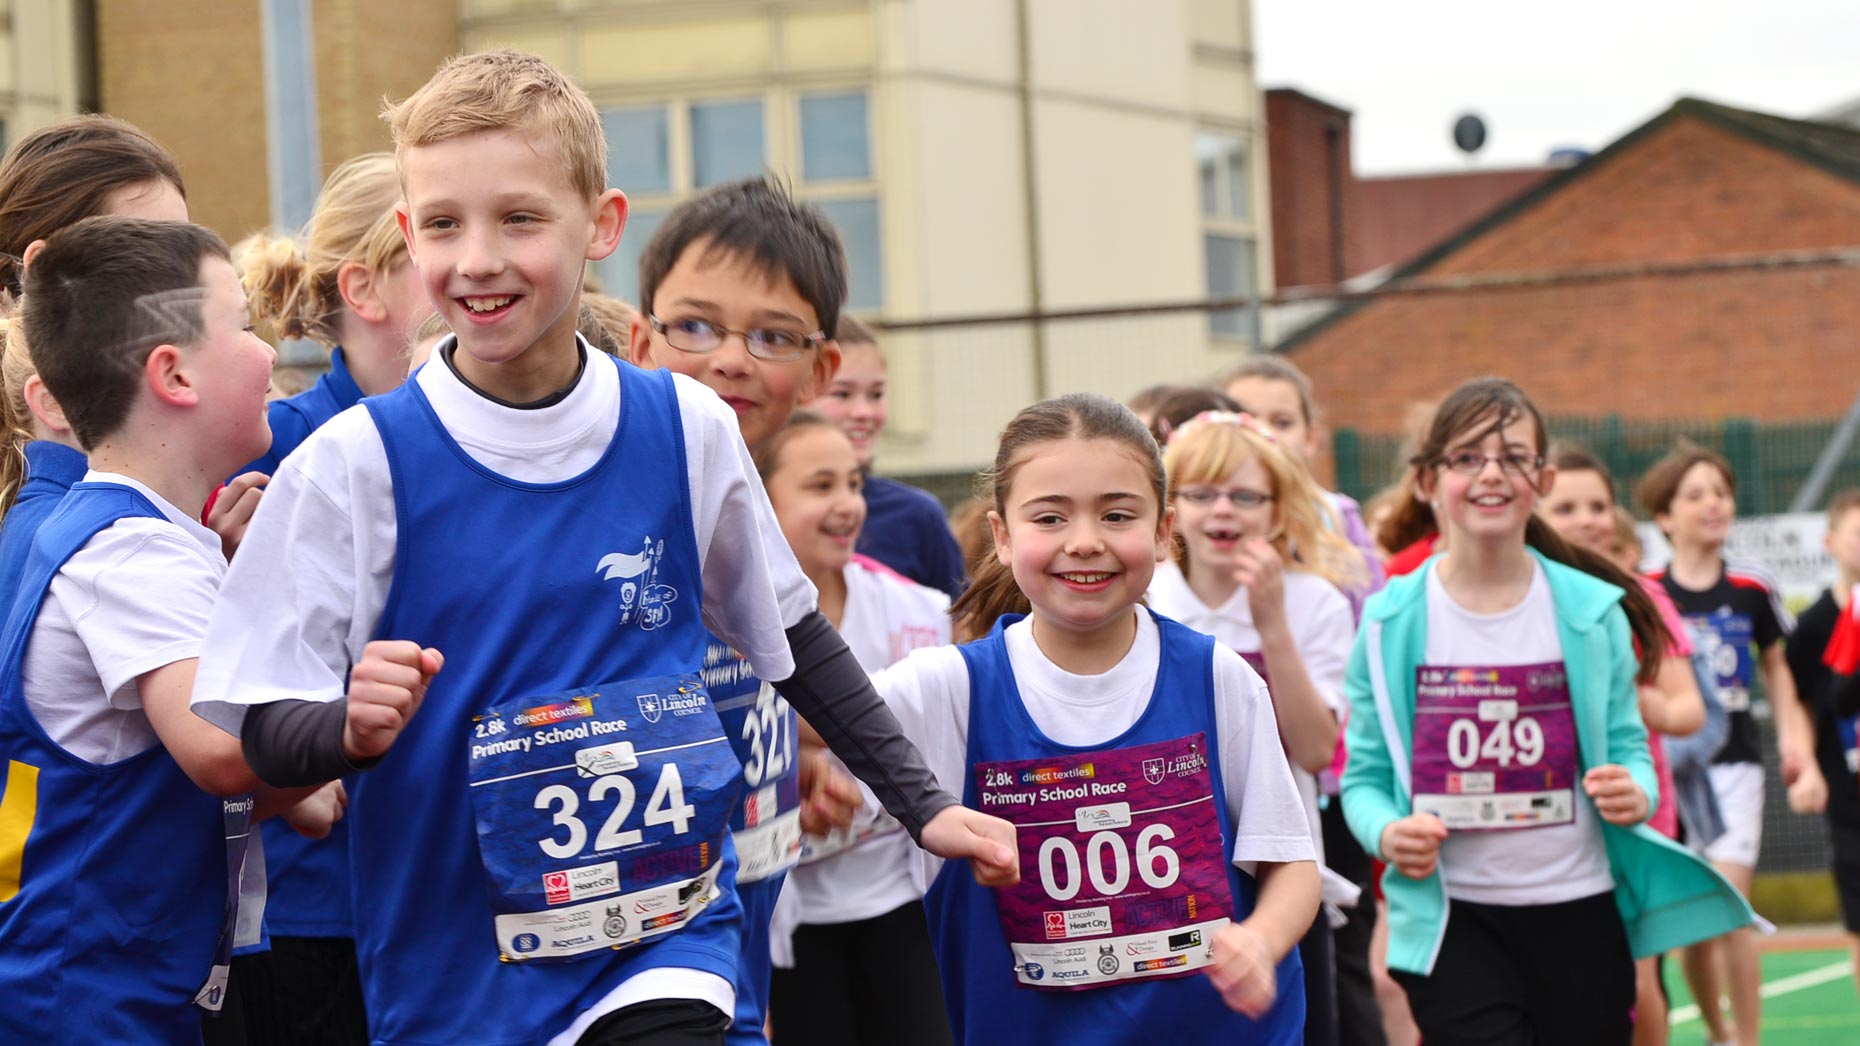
(1469, 133)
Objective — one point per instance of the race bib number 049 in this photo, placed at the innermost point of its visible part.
(1124, 863)
(600, 814)
(1494, 747)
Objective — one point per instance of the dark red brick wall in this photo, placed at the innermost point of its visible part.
(1401, 218)
(1768, 346)
(1304, 139)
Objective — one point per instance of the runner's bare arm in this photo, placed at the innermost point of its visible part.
(1247, 953)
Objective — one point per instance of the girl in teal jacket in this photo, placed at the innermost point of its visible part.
(1498, 762)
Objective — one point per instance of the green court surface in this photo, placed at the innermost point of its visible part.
(1809, 1000)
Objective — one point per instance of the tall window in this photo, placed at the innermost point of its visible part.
(663, 152)
(1229, 246)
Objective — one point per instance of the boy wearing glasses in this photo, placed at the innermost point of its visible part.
(737, 289)
(545, 821)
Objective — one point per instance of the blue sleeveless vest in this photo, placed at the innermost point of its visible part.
(528, 589)
(763, 732)
(112, 878)
(986, 1005)
(51, 470)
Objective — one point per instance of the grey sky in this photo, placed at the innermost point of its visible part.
(1577, 72)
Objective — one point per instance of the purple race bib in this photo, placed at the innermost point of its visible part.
(1124, 871)
(1494, 747)
(1257, 661)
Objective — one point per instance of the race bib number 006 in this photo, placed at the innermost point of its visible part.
(600, 814)
(1124, 863)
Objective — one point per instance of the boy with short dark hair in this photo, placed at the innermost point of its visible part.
(544, 849)
(1737, 615)
(739, 287)
(115, 844)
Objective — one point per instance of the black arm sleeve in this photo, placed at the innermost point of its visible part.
(293, 744)
(836, 697)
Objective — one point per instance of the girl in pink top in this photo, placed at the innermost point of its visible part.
(1581, 507)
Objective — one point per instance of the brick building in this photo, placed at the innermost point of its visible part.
(1645, 295)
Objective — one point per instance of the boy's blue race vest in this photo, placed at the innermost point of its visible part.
(485, 859)
(113, 879)
(994, 999)
(767, 823)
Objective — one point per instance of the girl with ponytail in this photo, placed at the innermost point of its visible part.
(1174, 916)
(1498, 761)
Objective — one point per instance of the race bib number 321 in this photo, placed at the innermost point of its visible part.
(601, 814)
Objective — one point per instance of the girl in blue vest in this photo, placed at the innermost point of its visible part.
(1498, 761)
(345, 281)
(55, 176)
(1168, 870)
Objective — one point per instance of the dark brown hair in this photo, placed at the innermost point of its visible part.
(768, 456)
(1410, 519)
(756, 221)
(1486, 405)
(63, 172)
(1660, 485)
(100, 297)
(992, 590)
(1569, 457)
(1175, 409)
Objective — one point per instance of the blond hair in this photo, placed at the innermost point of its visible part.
(291, 280)
(1210, 446)
(504, 91)
(15, 417)
(611, 322)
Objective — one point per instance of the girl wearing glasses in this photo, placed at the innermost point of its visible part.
(1257, 568)
(1498, 761)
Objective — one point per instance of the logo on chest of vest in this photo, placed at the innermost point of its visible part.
(643, 598)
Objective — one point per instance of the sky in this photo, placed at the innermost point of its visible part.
(1542, 76)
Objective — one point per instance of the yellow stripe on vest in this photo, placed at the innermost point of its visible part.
(18, 806)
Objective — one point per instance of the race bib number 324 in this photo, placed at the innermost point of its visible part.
(600, 813)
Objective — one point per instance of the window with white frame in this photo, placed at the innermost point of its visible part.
(1229, 241)
(818, 141)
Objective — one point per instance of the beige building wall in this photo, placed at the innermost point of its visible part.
(192, 75)
(42, 65)
(1061, 175)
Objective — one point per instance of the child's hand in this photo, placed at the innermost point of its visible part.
(958, 833)
(829, 798)
(232, 509)
(1809, 793)
(385, 689)
(1795, 760)
(1259, 570)
(315, 814)
(1243, 970)
(1411, 845)
(1617, 798)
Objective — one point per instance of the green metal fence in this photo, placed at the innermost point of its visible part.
(1771, 460)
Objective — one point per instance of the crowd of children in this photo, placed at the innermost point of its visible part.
(587, 688)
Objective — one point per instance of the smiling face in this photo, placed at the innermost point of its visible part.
(1212, 531)
(817, 490)
(1495, 503)
(1581, 508)
(1702, 508)
(856, 399)
(728, 290)
(499, 238)
(1082, 531)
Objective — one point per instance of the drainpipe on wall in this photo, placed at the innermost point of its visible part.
(1030, 198)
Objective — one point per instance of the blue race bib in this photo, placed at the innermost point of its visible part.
(601, 814)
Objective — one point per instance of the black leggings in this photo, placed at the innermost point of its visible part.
(305, 991)
(1542, 975)
(868, 983)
